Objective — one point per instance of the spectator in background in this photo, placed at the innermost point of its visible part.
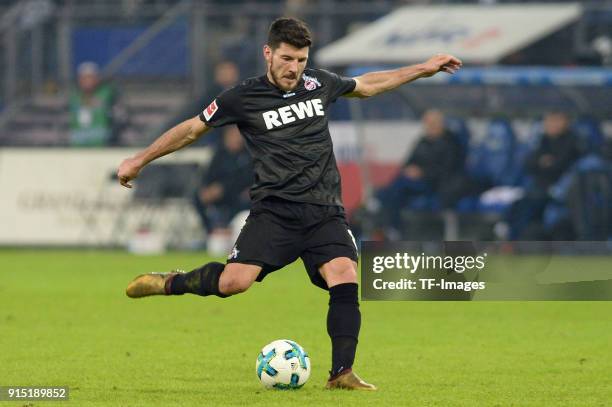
(437, 157)
(94, 115)
(557, 151)
(224, 190)
(226, 75)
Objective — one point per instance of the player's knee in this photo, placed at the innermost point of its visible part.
(343, 271)
(347, 275)
(234, 285)
(235, 281)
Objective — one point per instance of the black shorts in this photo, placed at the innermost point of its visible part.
(278, 231)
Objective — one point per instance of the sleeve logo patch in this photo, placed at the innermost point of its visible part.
(210, 111)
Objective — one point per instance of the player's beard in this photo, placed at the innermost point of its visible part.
(279, 79)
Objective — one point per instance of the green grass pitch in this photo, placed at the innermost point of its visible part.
(65, 320)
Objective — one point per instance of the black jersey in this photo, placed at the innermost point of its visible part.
(287, 134)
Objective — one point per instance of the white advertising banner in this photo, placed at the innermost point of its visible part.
(71, 197)
(477, 34)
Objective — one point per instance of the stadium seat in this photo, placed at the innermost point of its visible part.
(494, 166)
(583, 196)
(589, 133)
(459, 128)
(495, 161)
(491, 160)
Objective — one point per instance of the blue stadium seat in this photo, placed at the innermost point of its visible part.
(588, 184)
(589, 133)
(521, 152)
(496, 161)
(534, 135)
(459, 128)
(492, 160)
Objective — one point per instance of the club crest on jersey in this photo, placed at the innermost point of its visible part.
(211, 110)
(310, 82)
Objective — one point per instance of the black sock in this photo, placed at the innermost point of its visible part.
(343, 323)
(201, 281)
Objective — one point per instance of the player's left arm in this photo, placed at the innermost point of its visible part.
(375, 83)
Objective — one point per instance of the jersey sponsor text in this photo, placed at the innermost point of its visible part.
(293, 112)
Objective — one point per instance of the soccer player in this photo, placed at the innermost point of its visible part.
(296, 206)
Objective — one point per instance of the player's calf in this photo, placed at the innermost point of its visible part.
(201, 281)
(210, 279)
(343, 322)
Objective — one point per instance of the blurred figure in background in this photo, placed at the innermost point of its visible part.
(94, 112)
(557, 150)
(224, 190)
(437, 157)
(226, 74)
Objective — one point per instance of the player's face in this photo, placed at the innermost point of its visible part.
(285, 65)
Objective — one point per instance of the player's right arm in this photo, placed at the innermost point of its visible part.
(174, 139)
(374, 83)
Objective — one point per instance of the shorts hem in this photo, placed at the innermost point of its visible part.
(251, 262)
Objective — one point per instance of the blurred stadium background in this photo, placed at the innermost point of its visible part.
(64, 319)
(162, 61)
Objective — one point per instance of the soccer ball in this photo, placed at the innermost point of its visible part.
(283, 364)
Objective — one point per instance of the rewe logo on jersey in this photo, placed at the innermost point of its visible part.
(291, 113)
(210, 110)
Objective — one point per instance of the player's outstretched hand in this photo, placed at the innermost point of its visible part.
(128, 170)
(441, 63)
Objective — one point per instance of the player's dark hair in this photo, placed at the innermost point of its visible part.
(290, 31)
